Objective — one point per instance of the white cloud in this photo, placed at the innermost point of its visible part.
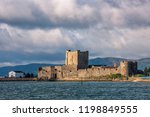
(16, 9)
(33, 41)
(64, 9)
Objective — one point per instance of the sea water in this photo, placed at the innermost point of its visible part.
(34, 90)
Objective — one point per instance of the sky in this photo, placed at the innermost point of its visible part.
(40, 31)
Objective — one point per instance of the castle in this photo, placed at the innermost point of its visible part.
(76, 68)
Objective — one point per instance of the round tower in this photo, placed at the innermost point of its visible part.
(124, 68)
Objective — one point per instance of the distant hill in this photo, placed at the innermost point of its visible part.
(30, 68)
(142, 63)
(109, 61)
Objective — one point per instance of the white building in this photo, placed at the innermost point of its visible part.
(16, 74)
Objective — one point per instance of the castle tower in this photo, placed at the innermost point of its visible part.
(124, 68)
(128, 68)
(77, 58)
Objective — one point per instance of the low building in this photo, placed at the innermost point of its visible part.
(16, 74)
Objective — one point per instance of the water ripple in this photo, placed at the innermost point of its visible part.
(74, 91)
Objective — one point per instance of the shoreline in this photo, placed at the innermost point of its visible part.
(17, 79)
(135, 79)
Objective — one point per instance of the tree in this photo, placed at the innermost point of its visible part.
(32, 75)
(145, 71)
(28, 75)
(148, 71)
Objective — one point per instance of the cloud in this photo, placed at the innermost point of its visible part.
(116, 42)
(130, 13)
(32, 41)
(74, 13)
(43, 13)
(41, 30)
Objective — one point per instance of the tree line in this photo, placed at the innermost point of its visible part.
(29, 75)
(147, 71)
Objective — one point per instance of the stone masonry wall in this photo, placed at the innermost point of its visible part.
(44, 73)
(65, 73)
(78, 58)
(83, 60)
(97, 72)
(128, 68)
(87, 74)
(71, 57)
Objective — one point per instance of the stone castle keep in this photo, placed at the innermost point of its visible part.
(76, 68)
